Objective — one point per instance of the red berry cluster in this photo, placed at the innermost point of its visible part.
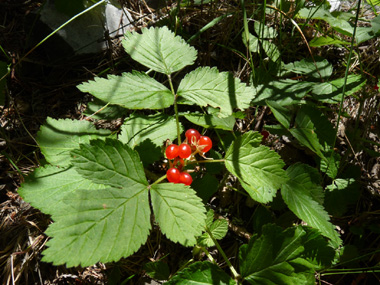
(194, 143)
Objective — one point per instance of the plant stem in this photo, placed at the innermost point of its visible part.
(233, 270)
(175, 110)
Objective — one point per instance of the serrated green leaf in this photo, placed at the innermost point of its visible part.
(259, 169)
(207, 86)
(103, 225)
(264, 31)
(300, 194)
(218, 228)
(134, 90)
(304, 132)
(308, 67)
(282, 114)
(331, 92)
(211, 121)
(179, 212)
(331, 164)
(159, 49)
(157, 128)
(276, 258)
(57, 138)
(46, 187)
(317, 249)
(99, 226)
(201, 273)
(109, 162)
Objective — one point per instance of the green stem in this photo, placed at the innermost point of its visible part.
(206, 161)
(233, 270)
(175, 110)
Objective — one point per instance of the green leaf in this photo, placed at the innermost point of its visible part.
(158, 270)
(300, 193)
(282, 114)
(325, 41)
(99, 226)
(308, 68)
(283, 92)
(346, 191)
(211, 121)
(373, 2)
(264, 31)
(201, 273)
(159, 49)
(46, 187)
(157, 128)
(179, 212)
(304, 131)
(109, 162)
(134, 90)
(57, 138)
(259, 169)
(103, 225)
(331, 92)
(218, 229)
(207, 86)
(276, 258)
(331, 164)
(269, 48)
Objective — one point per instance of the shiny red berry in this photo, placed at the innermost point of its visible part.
(172, 151)
(192, 136)
(205, 143)
(184, 150)
(185, 178)
(173, 175)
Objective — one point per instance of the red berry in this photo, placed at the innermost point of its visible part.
(173, 175)
(192, 136)
(172, 151)
(376, 87)
(265, 134)
(185, 178)
(184, 150)
(205, 143)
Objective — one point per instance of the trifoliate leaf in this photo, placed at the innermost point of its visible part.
(259, 169)
(109, 162)
(179, 212)
(201, 273)
(159, 49)
(46, 187)
(207, 86)
(99, 226)
(276, 258)
(157, 128)
(299, 194)
(134, 90)
(57, 138)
